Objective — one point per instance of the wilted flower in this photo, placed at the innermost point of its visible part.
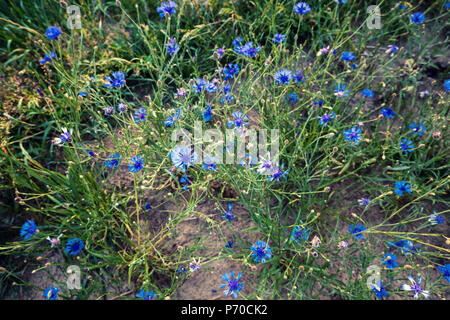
(416, 288)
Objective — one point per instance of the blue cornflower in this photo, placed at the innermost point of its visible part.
(247, 49)
(207, 114)
(318, 103)
(210, 163)
(436, 219)
(148, 206)
(233, 285)
(367, 93)
(356, 231)
(347, 56)
(418, 129)
(146, 295)
(292, 97)
(299, 233)
(171, 120)
(113, 160)
(237, 41)
(172, 46)
(277, 174)
(447, 84)
(211, 86)
(122, 107)
(406, 246)
(406, 145)
(140, 115)
(278, 38)
(219, 52)
(51, 293)
(388, 113)
(185, 182)
(261, 251)
(53, 32)
(229, 245)
(231, 70)
(28, 229)
(166, 8)
(228, 214)
(136, 164)
(199, 85)
(227, 98)
(340, 91)
(47, 57)
(379, 290)
(240, 120)
(402, 186)
(117, 82)
(353, 135)
(74, 246)
(445, 270)
(283, 77)
(298, 76)
(389, 261)
(108, 111)
(417, 17)
(302, 8)
(323, 120)
(183, 157)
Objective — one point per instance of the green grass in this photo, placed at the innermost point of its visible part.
(67, 191)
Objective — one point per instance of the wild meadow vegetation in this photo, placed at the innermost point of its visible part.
(354, 205)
